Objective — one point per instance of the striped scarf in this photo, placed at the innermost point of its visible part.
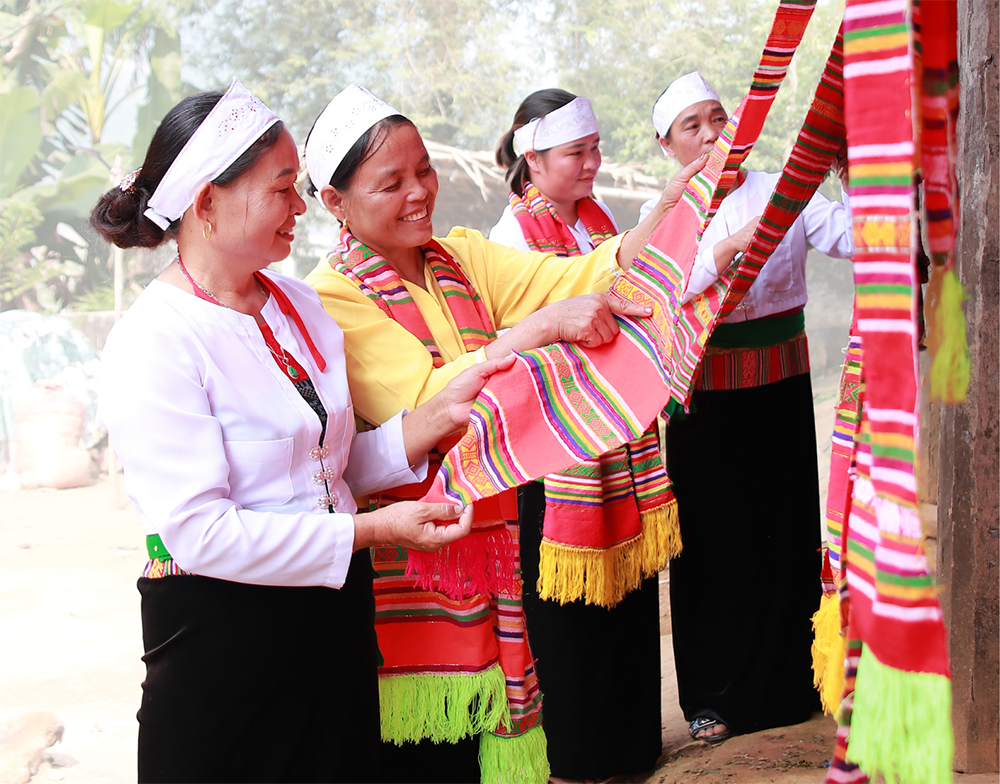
(900, 723)
(455, 650)
(544, 229)
(611, 521)
(571, 403)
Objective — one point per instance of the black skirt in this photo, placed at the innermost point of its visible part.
(252, 683)
(598, 668)
(745, 586)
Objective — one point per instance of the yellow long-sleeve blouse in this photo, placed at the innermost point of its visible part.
(389, 369)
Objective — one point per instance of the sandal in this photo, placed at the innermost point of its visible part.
(702, 723)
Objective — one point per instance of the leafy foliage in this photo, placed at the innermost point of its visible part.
(70, 69)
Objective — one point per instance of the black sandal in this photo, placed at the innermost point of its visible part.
(702, 723)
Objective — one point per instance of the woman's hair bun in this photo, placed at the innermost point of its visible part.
(118, 218)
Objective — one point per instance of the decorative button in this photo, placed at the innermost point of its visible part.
(319, 452)
(327, 500)
(324, 475)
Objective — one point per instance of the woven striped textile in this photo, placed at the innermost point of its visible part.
(742, 368)
(845, 431)
(610, 521)
(544, 229)
(900, 725)
(572, 402)
(456, 660)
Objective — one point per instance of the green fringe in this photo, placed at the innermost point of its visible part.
(442, 707)
(946, 338)
(521, 759)
(901, 724)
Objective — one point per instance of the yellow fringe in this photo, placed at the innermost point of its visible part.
(604, 576)
(946, 338)
(829, 649)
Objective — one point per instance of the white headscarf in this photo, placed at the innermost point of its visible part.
(683, 92)
(344, 120)
(234, 124)
(568, 123)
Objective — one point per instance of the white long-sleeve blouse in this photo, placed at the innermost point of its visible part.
(217, 444)
(781, 285)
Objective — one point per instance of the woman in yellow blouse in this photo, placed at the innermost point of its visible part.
(415, 311)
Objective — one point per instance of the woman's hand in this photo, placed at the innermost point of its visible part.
(448, 410)
(635, 240)
(588, 320)
(675, 188)
(412, 524)
(457, 397)
(725, 250)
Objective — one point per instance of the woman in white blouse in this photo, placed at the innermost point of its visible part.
(742, 648)
(225, 394)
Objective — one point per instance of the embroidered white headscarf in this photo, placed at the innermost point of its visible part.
(568, 123)
(344, 120)
(235, 123)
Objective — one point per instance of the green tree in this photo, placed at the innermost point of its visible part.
(441, 62)
(622, 55)
(68, 72)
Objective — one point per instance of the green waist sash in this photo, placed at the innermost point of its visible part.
(758, 333)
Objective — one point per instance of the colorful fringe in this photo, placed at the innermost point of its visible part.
(519, 760)
(442, 707)
(829, 650)
(604, 576)
(898, 717)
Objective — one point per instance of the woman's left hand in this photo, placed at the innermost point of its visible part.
(675, 188)
(461, 392)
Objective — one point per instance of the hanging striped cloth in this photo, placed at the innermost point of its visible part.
(563, 403)
(611, 521)
(901, 719)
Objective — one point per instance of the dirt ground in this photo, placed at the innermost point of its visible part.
(71, 646)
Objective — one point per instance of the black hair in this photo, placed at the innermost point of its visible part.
(118, 215)
(538, 104)
(363, 149)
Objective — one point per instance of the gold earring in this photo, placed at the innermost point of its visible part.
(206, 231)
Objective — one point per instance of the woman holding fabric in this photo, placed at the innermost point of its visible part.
(552, 156)
(742, 646)
(225, 394)
(417, 310)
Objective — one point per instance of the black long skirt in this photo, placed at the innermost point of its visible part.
(251, 683)
(745, 586)
(598, 668)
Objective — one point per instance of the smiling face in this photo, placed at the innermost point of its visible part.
(694, 131)
(389, 204)
(565, 173)
(253, 218)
